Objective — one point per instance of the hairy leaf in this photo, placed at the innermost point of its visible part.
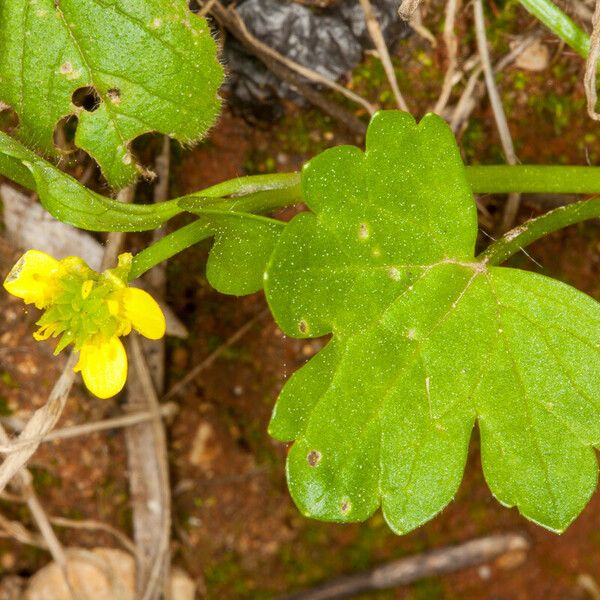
(426, 341)
(145, 65)
(70, 202)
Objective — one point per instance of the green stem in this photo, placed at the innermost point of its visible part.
(199, 230)
(560, 24)
(169, 246)
(530, 231)
(503, 179)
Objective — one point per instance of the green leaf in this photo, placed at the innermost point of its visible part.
(70, 202)
(243, 245)
(426, 341)
(152, 64)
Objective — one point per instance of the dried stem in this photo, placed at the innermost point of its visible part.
(166, 410)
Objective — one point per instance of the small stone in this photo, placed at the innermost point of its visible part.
(534, 58)
(182, 586)
(204, 449)
(484, 572)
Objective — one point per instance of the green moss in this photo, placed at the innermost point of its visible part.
(427, 589)
(44, 479)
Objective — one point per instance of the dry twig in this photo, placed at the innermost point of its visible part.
(91, 525)
(591, 65)
(42, 421)
(166, 411)
(409, 570)
(382, 50)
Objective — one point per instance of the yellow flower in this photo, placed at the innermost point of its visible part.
(89, 310)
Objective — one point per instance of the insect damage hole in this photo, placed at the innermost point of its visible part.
(114, 95)
(64, 134)
(345, 506)
(363, 231)
(87, 98)
(313, 458)
(303, 327)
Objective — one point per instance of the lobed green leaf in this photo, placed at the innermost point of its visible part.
(426, 341)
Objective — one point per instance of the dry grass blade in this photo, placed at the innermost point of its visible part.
(115, 240)
(382, 50)
(591, 66)
(42, 421)
(166, 411)
(514, 200)
(91, 525)
(206, 7)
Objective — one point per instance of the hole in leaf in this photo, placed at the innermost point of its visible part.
(64, 134)
(9, 120)
(313, 458)
(303, 326)
(114, 95)
(345, 506)
(86, 98)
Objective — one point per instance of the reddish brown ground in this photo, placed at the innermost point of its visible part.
(235, 528)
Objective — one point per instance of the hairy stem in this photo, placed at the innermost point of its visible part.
(530, 231)
(544, 179)
(169, 246)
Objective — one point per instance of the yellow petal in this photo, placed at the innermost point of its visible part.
(103, 366)
(32, 278)
(144, 312)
